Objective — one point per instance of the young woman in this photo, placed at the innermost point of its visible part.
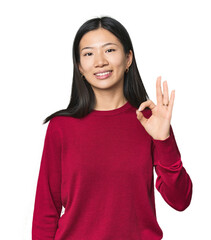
(99, 152)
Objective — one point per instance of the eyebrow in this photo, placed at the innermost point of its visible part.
(106, 44)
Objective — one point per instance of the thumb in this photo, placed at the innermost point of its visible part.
(141, 117)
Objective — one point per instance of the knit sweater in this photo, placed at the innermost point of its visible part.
(100, 169)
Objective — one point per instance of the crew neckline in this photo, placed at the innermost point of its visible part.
(111, 112)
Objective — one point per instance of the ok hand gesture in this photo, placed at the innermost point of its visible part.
(158, 125)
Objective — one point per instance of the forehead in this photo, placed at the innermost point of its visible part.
(97, 38)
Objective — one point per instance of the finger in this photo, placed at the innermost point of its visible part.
(165, 93)
(141, 117)
(171, 102)
(159, 94)
(148, 103)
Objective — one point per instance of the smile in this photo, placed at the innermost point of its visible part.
(103, 75)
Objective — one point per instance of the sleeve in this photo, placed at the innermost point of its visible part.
(47, 206)
(173, 182)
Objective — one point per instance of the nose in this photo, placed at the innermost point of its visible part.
(100, 60)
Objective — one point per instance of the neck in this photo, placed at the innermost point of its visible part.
(109, 103)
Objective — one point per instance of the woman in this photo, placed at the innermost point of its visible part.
(99, 153)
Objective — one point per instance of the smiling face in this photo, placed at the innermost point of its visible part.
(101, 51)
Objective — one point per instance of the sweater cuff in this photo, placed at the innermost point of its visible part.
(166, 152)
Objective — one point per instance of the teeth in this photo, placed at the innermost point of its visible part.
(102, 74)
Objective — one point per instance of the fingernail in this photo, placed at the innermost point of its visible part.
(139, 109)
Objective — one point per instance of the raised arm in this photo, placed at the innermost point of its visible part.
(173, 182)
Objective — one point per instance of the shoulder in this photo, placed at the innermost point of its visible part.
(61, 124)
(58, 121)
(54, 122)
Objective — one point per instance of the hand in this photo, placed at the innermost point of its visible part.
(158, 125)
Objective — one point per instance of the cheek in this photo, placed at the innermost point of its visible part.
(86, 64)
(119, 61)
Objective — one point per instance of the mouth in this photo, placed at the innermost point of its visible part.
(102, 72)
(103, 75)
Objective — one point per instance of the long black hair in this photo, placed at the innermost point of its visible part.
(82, 99)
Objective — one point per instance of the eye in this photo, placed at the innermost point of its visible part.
(87, 53)
(111, 49)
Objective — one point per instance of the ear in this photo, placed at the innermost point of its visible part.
(129, 58)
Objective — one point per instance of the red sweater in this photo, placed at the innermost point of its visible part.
(100, 169)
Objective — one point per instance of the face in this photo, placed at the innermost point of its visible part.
(101, 51)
